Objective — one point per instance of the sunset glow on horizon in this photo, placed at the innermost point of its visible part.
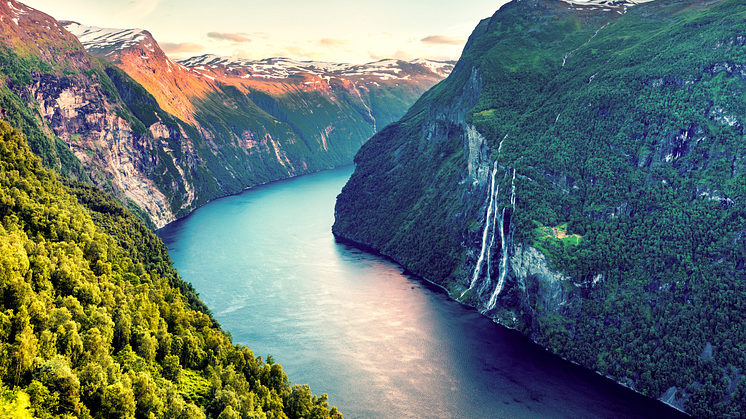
(328, 30)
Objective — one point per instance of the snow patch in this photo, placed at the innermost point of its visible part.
(95, 38)
(280, 68)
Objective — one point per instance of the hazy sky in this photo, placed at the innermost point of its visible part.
(350, 31)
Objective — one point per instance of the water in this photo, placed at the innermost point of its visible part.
(351, 324)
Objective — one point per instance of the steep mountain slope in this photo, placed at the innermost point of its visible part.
(63, 100)
(379, 93)
(580, 177)
(96, 323)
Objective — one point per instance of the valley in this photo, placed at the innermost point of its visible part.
(577, 178)
(165, 138)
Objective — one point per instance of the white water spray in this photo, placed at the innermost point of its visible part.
(512, 193)
(503, 263)
(500, 147)
(485, 233)
(504, 258)
(370, 111)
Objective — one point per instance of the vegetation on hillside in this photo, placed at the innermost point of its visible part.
(95, 322)
(627, 130)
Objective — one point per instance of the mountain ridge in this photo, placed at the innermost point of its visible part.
(137, 53)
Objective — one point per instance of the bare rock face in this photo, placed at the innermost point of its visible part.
(113, 154)
(75, 102)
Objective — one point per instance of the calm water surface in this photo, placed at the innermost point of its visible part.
(351, 324)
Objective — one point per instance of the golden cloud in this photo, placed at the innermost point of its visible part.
(329, 42)
(443, 40)
(172, 48)
(235, 37)
(398, 55)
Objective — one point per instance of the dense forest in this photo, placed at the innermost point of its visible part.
(624, 133)
(96, 323)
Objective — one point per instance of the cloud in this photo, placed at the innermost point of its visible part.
(402, 55)
(172, 48)
(263, 35)
(334, 43)
(296, 52)
(235, 37)
(443, 40)
(411, 55)
(375, 57)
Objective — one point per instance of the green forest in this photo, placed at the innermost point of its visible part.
(96, 323)
(626, 132)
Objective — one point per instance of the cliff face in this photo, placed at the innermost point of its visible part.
(579, 177)
(72, 113)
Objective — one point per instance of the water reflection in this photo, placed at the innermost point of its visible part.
(350, 324)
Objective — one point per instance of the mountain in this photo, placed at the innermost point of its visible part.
(579, 177)
(68, 107)
(165, 138)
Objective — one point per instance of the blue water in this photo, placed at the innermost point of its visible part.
(381, 344)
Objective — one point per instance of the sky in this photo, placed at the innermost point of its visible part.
(349, 31)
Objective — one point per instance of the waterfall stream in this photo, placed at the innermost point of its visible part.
(503, 263)
(365, 105)
(485, 247)
(494, 221)
(503, 244)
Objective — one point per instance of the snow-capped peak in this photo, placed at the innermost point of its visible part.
(277, 68)
(106, 38)
(619, 6)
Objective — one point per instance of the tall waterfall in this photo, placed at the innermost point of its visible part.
(485, 234)
(494, 221)
(503, 263)
(504, 257)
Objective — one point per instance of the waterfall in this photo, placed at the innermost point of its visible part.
(370, 114)
(485, 247)
(503, 263)
(365, 105)
(504, 245)
(512, 193)
(492, 236)
(500, 147)
(494, 221)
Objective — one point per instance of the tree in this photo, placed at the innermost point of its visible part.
(171, 369)
(25, 351)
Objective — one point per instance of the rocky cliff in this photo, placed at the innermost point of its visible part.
(579, 177)
(165, 138)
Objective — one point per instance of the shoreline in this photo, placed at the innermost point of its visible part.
(407, 272)
(244, 190)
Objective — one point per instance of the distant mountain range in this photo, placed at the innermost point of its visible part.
(165, 137)
(136, 52)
